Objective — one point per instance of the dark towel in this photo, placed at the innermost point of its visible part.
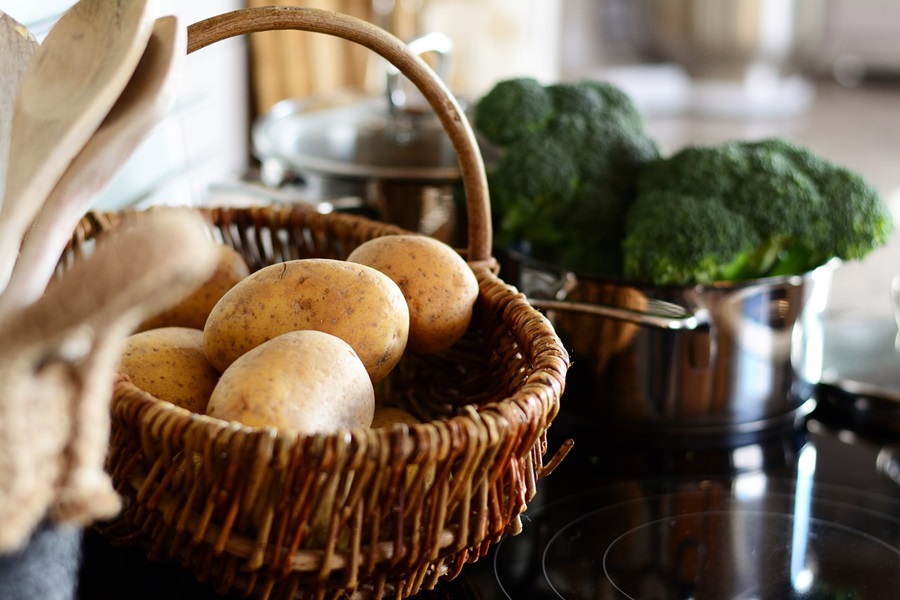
(46, 569)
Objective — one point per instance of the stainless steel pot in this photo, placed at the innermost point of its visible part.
(390, 152)
(724, 359)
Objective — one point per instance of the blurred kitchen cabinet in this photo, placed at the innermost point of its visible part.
(296, 64)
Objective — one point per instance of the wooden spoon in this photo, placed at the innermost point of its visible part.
(72, 81)
(16, 47)
(140, 107)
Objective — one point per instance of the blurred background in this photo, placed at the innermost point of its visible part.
(825, 73)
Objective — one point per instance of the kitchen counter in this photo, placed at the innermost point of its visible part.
(856, 127)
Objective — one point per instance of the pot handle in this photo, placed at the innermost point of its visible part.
(658, 313)
(445, 106)
(548, 288)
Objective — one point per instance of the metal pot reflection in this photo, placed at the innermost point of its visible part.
(722, 359)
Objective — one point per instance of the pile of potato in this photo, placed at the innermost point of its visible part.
(301, 344)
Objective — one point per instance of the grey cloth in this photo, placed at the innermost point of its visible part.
(46, 569)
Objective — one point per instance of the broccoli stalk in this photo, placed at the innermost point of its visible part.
(566, 176)
(752, 209)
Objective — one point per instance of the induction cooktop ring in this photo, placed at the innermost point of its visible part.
(792, 540)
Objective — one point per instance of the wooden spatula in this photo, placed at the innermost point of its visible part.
(17, 45)
(142, 104)
(67, 89)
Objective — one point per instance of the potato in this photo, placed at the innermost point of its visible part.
(356, 303)
(385, 416)
(193, 310)
(169, 363)
(308, 381)
(439, 287)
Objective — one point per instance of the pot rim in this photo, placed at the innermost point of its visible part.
(271, 143)
(547, 267)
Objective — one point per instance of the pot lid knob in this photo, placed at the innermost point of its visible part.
(406, 98)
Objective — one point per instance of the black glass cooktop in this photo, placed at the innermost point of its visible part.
(743, 537)
(807, 513)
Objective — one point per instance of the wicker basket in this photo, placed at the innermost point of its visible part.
(362, 513)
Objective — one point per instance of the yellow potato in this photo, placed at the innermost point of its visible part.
(353, 302)
(308, 381)
(170, 364)
(385, 416)
(439, 286)
(193, 310)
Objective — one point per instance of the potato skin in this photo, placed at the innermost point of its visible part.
(385, 416)
(439, 286)
(170, 364)
(354, 302)
(193, 310)
(307, 381)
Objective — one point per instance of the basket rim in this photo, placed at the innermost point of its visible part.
(494, 449)
(548, 373)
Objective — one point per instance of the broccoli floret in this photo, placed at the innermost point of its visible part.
(673, 238)
(534, 181)
(576, 98)
(600, 101)
(803, 210)
(715, 169)
(858, 222)
(606, 149)
(570, 153)
(513, 109)
(617, 106)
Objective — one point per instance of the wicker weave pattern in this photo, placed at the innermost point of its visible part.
(386, 512)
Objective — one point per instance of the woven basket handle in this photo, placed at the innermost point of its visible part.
(457, 127)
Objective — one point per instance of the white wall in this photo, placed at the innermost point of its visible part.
(204, 137)
(497, 39)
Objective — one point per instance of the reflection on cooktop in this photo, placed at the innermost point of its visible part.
(745, 536)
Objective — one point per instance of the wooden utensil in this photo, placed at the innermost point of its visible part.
(58, 361)
(142, 104)
(16, 48)
(69, 86)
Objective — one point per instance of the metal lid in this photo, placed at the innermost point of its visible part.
(355, 136)
(350, 135)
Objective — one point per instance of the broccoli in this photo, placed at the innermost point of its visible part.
(535, 180)
(513, 109)
(710, 243)
(744, 210)
(570, 153)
